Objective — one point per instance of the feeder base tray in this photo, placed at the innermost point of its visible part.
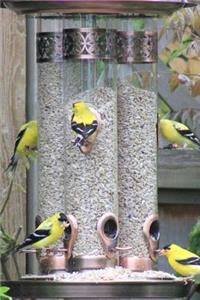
(147, 289)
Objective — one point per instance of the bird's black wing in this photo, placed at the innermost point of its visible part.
(37, 236)
(13, 161)
(189, 135)
(189, 261)
(19, 137)
(84, 130)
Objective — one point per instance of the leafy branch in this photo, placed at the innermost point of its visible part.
(7, 249)
(181, 54)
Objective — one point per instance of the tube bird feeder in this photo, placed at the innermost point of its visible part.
(97, 151)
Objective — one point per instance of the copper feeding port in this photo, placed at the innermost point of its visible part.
(57, 259)
(151, 230)
(108, 232)
(71, 233)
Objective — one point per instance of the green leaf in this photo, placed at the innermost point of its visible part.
(6, 297)
(138, 24)
(178, 52)
(3, 290)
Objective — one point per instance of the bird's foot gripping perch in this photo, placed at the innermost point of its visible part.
(171, 146)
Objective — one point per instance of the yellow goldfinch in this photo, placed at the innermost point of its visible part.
(47, 233)
(84, 122)
(181, 260)
(178, 133)
(25, 144)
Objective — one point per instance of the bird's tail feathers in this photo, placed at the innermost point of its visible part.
(20, 246)
(12, 165)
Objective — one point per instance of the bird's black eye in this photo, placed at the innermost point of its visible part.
(62, 218)
(167, 247)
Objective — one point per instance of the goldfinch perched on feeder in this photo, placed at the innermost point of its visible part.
(25, 144)
(178, 134)
(181, 260)
(84, 123)
(47, 233)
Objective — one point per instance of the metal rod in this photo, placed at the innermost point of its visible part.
(31, 113)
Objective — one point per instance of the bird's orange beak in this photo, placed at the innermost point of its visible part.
(162, 252)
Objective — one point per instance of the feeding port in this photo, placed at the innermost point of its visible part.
(96, 113)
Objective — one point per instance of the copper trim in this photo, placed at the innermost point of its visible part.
(152, 235)
(108, 233)
(137, 47)
(89, 43)
(50, 264)
(89, 262)
(144, 7)
(49, 47)
(135, 263)
(124, 251)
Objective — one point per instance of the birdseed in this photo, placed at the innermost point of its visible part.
(107, 274)
(86, 184)
(91, 179)
(137, 161)
(51, 139)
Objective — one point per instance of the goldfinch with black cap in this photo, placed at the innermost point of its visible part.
(181, 260)
(47, 233)
(83, 123)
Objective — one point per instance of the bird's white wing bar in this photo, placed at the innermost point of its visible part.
(189, 261)
(37, 236)
(188, 134)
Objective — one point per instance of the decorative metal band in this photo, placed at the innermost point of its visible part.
(49, 47)
(137, 47)
(89, 43)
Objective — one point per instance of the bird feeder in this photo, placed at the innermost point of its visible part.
(102, 54)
